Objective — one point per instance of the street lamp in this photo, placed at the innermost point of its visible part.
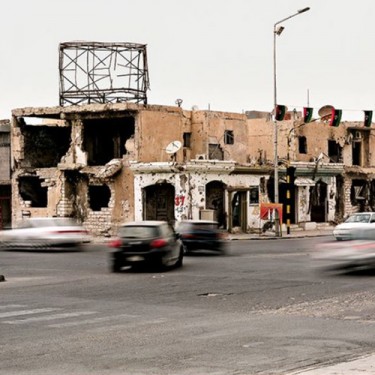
(277, 30)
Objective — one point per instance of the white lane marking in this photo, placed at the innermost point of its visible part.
(25, 312)
(91, 321)
(49, 317)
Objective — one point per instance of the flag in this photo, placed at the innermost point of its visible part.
(368, 118)
(280, 112)
(336, 117)
(307, 114)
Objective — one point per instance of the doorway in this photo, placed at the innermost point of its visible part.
(318, 202)
(215, 201)
(158, 202)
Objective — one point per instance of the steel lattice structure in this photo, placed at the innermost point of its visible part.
(95, 72)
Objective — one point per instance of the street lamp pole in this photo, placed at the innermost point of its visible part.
(277, 31)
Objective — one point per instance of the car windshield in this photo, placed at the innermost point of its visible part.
(138, 231)
(365, 218)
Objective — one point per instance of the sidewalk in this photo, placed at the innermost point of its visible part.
(360, 366)
(294, 233)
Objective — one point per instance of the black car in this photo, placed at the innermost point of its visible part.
(202, 235)
(146, 242)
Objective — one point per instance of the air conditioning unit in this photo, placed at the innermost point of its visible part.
(201, 157)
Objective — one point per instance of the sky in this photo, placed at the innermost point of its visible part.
(210, 53)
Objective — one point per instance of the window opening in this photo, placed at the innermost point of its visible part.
(104, 139)
(45, 145)
(99, 197)
(228, 137)
(254, 195)
(302, 145)
(31, 190)
(356, 153)
(334, 151)
(215, 152)
(187, 140)
(358, 193)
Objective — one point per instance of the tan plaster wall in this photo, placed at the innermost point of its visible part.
(209, 127)
(123, 207)
(156, 129)
(317, 135)
(261, 139)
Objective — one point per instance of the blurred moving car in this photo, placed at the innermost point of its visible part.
(202, 235)
(146, 242)
(357, 253)
(45, 233)
(347, 230)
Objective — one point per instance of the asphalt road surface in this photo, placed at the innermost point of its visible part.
(262, 309)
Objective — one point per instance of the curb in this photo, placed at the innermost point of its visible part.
(286, 237)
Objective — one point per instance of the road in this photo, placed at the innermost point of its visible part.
(261, 309)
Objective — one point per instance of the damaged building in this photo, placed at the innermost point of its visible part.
(105, 156)
(108, 163)
(5, 175)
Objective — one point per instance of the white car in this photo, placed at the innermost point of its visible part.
(45, 233)
(354, 223)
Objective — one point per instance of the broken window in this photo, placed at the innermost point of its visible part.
(302, 145)
(215, 152)
(104, 139)
(31, 190)
(228, 137)
(45, 145)
(187, 139)
(99, 196)
(334, 151)
(359, 193)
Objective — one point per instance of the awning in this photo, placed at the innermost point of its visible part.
(304, 181)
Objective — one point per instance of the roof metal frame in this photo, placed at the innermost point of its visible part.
(96, 72)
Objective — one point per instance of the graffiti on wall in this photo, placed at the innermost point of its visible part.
(179, 204)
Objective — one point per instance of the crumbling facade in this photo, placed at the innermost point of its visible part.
(107, 163)
(5, 175)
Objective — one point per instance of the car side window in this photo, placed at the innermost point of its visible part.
(366, 218)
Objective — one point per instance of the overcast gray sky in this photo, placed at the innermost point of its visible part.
(215, 53)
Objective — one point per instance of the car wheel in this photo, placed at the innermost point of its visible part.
(116, 267)
(180, 259)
